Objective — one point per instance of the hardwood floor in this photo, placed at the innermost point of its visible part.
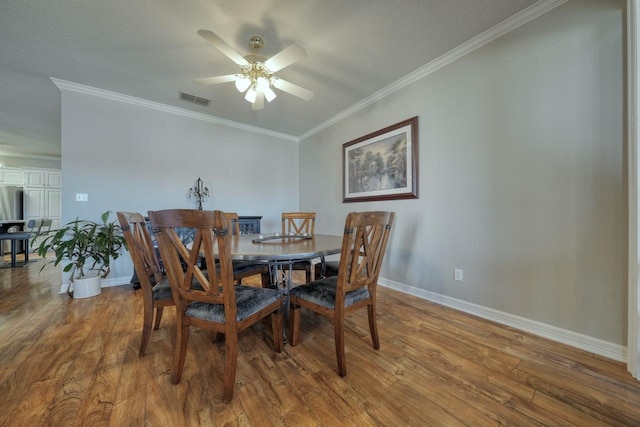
(66, 362)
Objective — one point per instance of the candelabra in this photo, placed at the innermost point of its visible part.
(199, 192)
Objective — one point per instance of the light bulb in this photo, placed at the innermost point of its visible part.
(251, 95)
(242, 83)
(269, 94)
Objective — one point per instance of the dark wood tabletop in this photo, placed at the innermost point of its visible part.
(244, 248)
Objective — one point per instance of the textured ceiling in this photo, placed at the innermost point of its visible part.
(150, 49)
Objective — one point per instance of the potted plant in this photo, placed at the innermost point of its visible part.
(89, 247)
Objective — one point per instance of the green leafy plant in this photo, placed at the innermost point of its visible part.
(87, 245)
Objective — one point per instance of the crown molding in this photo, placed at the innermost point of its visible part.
(29, 156)
(532, 12)
(114, 96)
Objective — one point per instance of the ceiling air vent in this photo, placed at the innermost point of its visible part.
(195, 99)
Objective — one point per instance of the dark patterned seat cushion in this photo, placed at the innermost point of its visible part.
(323, 292)
(162, 290)
(248, 299)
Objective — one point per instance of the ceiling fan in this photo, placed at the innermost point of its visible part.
(256, 75)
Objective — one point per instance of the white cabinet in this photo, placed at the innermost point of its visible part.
(43, 195)
(11, 176)
(34, 206)
(42, 178)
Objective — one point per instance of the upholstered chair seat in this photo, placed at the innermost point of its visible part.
(249, 301)
(323, 293)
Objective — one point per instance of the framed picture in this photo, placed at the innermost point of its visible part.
(382, 165)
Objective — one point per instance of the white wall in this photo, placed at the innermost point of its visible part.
(522, 174)
(133, 158)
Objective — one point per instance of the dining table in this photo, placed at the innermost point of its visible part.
(281, 251)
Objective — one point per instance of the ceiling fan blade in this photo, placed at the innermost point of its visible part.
(223, 47)
(215, 80)
(259, 103)
(291, 88)
(285, 57)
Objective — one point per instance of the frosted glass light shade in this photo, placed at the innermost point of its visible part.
(251, 95)
(269, 94)
(242, 83)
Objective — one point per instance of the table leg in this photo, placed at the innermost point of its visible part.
(282, 280)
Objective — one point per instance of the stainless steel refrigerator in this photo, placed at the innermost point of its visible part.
(11, 208)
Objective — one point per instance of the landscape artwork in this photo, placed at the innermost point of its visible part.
(382, 165)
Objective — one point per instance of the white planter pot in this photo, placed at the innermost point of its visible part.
(86, 287)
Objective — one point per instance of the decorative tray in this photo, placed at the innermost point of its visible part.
(279, 236)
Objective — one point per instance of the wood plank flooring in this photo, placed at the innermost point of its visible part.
(66, 362)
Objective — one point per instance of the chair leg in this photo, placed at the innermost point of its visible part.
(266, 279)
(147, 320)
(294, 333)
(26, 250)
(13, 252)
(276, 325)
(180, 352)
(156, 324)
(308, 274)
(230, 366)
(338, 324)
(373, 325)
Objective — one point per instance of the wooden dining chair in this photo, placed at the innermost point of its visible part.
(33, 226)
(45, 225)
(242, 269)
(156, 292)
(216, 303)
(299, 223)
(363, 247)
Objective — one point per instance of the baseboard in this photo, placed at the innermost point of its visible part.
(574, 339)
(104, 283)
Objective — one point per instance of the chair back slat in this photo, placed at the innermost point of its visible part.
(298, 223)
(140, 245)
(191, 267)
(234, 222)
(363, 247)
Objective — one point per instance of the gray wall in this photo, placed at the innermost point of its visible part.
(522, 174)
(132, 158)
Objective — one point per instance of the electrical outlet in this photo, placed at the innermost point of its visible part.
(458, 275)
(82, 197)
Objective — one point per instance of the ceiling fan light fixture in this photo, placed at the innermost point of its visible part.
(251, 95)
(256, 72)
(242, 83)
